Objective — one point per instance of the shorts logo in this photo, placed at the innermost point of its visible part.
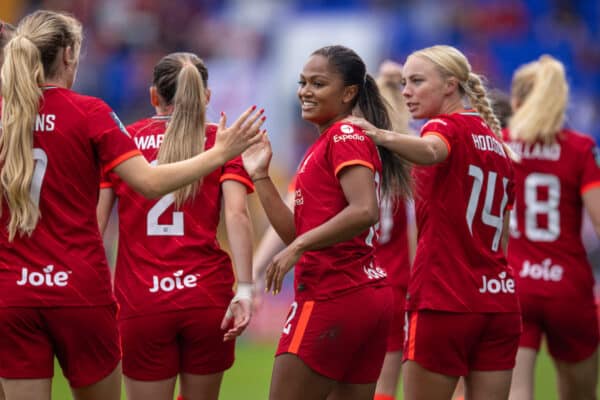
(373, 272)
(544, 271)
(346, 129)
(501, 285)
(48, 277)
(177, 281)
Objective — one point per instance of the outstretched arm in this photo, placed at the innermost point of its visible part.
(426, 150)
(159, 180)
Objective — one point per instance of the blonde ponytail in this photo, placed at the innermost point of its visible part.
(541, 89)
(21, 75)
(28, 60)
(477, 95)
(185, 137)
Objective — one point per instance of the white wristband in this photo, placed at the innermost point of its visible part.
(244, 291)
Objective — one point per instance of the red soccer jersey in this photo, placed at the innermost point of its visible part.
(63, 262)
(392, 245)
(545, 244)
(460, 204)
(170, 259)
(336, 269)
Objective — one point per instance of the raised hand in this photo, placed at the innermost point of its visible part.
(257, 158)
(243, 133)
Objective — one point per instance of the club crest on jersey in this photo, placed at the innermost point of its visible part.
(113, 115)
(346, 128)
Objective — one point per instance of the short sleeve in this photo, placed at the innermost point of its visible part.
(234, 170)
(112, 142)
(442, 128)
(349, 146)
(591, 169)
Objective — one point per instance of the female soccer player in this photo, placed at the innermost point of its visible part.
(173, 282)
(56, 293)
(334, 339)
(396, 242)
(558, 176)
(462, 308)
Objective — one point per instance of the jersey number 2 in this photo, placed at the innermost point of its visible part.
(153, 228)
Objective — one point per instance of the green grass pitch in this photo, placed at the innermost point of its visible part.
(249, 377)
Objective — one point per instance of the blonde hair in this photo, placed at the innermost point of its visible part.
(541, 89)
(29, 59)
(180, 79)
(452, 63)
(394, 102)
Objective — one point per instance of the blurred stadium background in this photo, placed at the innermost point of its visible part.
(255, 49)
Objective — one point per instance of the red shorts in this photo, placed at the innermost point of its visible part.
(85, 341)
(570, 326)
(455, 343)
(160, 346)
(395, 340)
(344, 338)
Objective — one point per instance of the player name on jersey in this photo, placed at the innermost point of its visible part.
(488, 143)
(149, 141)
(45, 122)
(537, 151)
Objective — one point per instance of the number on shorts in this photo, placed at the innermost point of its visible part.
(288, 323)
(495, 221)
(39, 170)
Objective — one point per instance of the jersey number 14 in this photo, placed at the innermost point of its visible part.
(495, 221)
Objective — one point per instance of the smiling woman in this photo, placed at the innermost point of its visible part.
(340, 289)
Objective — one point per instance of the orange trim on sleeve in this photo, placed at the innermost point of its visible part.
(354, 162)
(411, 335)
(590, 186)
(302, 323)
(441, 137)
(105, 185)
(120, 159)
(234, 177)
